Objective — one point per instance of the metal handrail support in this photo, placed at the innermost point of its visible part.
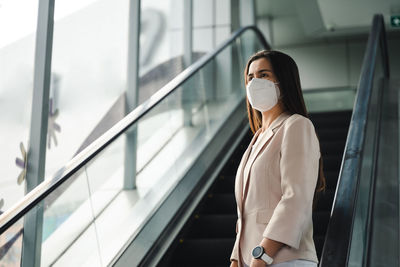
(338, 238)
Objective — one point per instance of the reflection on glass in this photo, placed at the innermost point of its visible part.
(88, 219)
(161, 49)
(89, 63)
(169, 140)
(69, 231)
(11, 245)
(17, 47)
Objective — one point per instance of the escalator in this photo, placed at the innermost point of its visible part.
(157, 188)
(360, 203)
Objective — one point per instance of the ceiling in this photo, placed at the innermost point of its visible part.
(297, 21)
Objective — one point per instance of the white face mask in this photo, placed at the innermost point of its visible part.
(263, 94)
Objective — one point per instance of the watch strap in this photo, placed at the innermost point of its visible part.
(266, 258)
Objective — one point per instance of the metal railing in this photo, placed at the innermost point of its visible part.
(338, 238)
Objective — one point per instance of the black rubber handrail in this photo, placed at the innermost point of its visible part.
(338, 238)
(30, 200)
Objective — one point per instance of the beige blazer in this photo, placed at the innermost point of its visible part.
(274, 198)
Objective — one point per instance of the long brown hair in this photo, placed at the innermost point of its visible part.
(287, 74)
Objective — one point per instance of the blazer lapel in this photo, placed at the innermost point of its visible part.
(239, 178)
(263, 142)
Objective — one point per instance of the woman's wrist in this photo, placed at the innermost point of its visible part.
(271, 247)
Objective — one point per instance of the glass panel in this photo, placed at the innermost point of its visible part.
(17, 49)
(69, 231)
(64, 225)
(161, 45)
(131, 178)
(11, 246)
(168, 139)
(89, 66)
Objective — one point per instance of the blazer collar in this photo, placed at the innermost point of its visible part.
(261, 144)
(275, 123)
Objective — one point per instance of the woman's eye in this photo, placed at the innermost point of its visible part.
(264, 75)
(250, 78)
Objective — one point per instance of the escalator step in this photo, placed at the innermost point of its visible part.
(213, 226)
(331, 163)
(331, 179)
(230, 168)
(328, 124)
(330, 119)
(345, 114)
(203, 252)
(220, 204)
(325, 200)
(238, 153)
(320, 222)
(332, 147)
(335, 134)
(225, 184)
(319, 243)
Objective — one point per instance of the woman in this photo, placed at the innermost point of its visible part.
(281, 170)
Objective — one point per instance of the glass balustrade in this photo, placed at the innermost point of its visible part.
(17, 50)
(100, 209)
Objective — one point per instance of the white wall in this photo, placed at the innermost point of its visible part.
(336, 64)
(327, 65)
(323, 62)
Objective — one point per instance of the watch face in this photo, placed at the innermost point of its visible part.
(257, 252)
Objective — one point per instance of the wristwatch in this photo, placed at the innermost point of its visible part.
(258, 253)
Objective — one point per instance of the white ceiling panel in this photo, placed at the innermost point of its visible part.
(298, 21)
(342, 14)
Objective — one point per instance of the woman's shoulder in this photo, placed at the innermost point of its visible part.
(293, 122)
(296, 120)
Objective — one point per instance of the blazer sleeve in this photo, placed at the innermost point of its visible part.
(235, 250)
(299, 165)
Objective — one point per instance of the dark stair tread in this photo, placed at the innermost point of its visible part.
(213, 226)
(331, 162)
(230, 168)
(332, 134)
(217, 203)
(320, 222)
(329, 124)
(329, 114)
(327, 118)
(325, 200)
(331, 178)
(224, 184)
(332, 147)
(319, 243)
(212, 251)
(193, 264)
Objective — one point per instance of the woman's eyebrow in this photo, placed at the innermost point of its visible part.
(263, 70)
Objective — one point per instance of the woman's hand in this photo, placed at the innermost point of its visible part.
(234, 264)
(257, 263)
